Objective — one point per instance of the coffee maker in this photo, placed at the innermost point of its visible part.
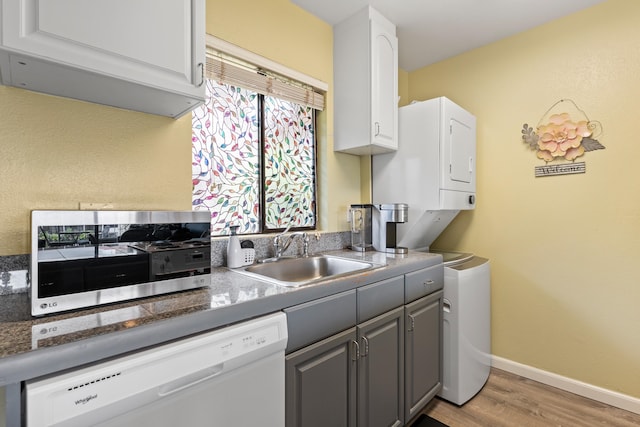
(385, 219)
(373, 226)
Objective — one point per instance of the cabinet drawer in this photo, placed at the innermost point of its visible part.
(423, 282)
(380, 297)
(318, 319)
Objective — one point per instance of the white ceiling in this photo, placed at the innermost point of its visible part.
(432, 30)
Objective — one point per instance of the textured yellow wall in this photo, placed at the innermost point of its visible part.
(56, 152)
(564, 250)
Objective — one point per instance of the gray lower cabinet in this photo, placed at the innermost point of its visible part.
(381, 371)
(321, 383)
(354, 378)
(423, 358)
(384, 365)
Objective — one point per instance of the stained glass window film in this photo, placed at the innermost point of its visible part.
(226, 147)
(226, 158)
(289, 164)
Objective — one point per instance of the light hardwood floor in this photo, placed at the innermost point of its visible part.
(513, 401)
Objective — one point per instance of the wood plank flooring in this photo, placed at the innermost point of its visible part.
(510, 400)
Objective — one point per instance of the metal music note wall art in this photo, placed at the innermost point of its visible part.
(565, 135)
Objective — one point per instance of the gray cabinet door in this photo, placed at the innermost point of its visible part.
(423, 357)
(321, 383)
(381, 370)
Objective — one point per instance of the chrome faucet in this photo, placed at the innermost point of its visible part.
(279, 246)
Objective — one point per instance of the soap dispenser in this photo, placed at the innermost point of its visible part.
(234, 251)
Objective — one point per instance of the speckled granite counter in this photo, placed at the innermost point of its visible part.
(32, 347)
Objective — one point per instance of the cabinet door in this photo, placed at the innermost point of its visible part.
(127, 54)
(321, 383)
(423, 357)
(384, 86)
(123, 38)
(381, 371)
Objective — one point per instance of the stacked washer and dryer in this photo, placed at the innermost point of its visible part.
(433, 171)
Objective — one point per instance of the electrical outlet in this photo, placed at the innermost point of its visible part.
(90, 206)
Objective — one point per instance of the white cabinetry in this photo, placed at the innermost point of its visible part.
(139, 54)
(366, 84)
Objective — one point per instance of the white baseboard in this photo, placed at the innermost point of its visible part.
(599, 394)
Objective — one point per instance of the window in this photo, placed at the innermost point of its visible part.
(254, 156)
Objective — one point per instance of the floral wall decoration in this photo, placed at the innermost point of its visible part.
(565, 135)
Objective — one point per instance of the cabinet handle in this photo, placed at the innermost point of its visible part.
(428, 283)
(365, 347)
(201, 66)
(412, 323)
(377, 129)
(355, 353)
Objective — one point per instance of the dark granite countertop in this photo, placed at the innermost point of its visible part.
(32, 347)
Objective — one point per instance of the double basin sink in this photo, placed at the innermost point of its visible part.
(300, 271)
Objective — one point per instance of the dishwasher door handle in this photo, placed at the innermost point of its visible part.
(190, 380)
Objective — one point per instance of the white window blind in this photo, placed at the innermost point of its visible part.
(226, 68)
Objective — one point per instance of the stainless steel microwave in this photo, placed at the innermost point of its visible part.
(88, 258)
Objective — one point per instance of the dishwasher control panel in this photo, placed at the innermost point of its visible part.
(240, 344)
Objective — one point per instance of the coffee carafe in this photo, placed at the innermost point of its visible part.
(360, 219)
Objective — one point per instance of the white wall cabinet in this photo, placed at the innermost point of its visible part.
(366, 84)
(138, 54)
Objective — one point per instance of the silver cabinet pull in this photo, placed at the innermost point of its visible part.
(201, 66)
(365, 347)
(412, 323)
(428, 283)
(355, 353)
(377, 129)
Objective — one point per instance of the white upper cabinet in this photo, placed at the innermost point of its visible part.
(365, 72)
(141, 55)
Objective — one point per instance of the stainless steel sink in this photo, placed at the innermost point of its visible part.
(293, 272)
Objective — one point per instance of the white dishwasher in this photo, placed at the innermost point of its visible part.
(233, 376)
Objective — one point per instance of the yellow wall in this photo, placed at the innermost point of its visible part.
(564, 250)
(56, 152)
